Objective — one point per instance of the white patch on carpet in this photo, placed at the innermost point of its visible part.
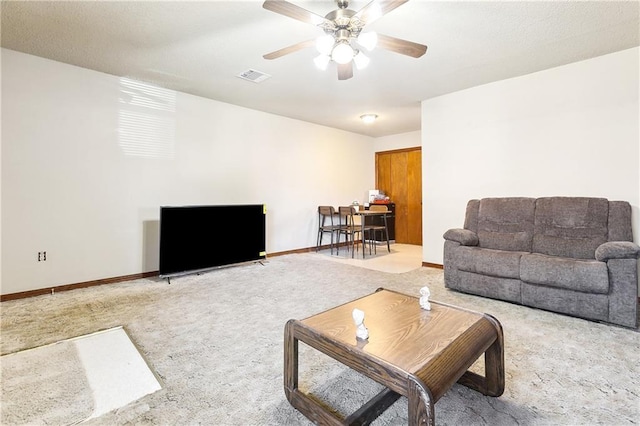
(115, 370)
(74, 380)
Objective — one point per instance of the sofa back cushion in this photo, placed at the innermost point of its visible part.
(570, 226)
(502, 223)
(620, 221)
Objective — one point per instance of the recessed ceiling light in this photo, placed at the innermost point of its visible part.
(368, 118)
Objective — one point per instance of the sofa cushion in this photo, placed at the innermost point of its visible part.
(584, 305)
(570, 226)
(496, 263)
(471, 215)
(486, 286)
(587, 276)
(506, 223)
(620, 221)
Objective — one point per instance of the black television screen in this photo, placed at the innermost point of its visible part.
(196, 238)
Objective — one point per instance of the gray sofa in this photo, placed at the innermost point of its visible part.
(573, 255)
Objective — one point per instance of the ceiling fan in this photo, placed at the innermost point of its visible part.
(343, 34)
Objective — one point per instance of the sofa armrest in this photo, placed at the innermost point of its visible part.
(617, 250)
(462, 236)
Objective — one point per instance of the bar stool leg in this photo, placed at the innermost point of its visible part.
(386, 231)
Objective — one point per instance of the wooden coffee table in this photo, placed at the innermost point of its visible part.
(412, 352)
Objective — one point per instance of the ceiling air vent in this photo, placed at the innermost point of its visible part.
(253, 75)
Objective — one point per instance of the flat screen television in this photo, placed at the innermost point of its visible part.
(198, 238)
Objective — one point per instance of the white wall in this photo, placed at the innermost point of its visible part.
(568, 131)
(73, 186)
(399, 141)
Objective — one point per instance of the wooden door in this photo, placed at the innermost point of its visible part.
(399, 175)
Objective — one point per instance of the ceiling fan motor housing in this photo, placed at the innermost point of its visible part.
(344, 28)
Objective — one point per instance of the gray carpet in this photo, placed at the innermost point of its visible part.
(215, 340)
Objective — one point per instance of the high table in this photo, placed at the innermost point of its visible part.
(366, 213)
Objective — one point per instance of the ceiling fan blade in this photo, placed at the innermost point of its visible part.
(376, 9)
(292, 11)
(289, 49)
(404, 47)
(345, 71)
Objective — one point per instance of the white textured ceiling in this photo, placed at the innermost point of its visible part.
(200, 48)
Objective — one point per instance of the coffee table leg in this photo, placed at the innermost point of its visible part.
(420, 403)
(290, 361)
(492, 384)
(311, 408)
(494, 363)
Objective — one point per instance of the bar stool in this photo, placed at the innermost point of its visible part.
(374, 229)
(348, 227)
(324, 213)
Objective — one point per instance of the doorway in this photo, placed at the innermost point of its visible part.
(399, 176)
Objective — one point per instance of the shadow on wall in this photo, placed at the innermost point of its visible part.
(150, 245)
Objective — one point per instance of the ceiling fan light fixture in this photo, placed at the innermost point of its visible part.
(324, 44)
(342, 53)
(368, 118)
(368, 40)
(343, 37)
(361, 61)
(322, 61)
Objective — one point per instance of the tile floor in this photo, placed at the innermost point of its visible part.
(403, 258)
